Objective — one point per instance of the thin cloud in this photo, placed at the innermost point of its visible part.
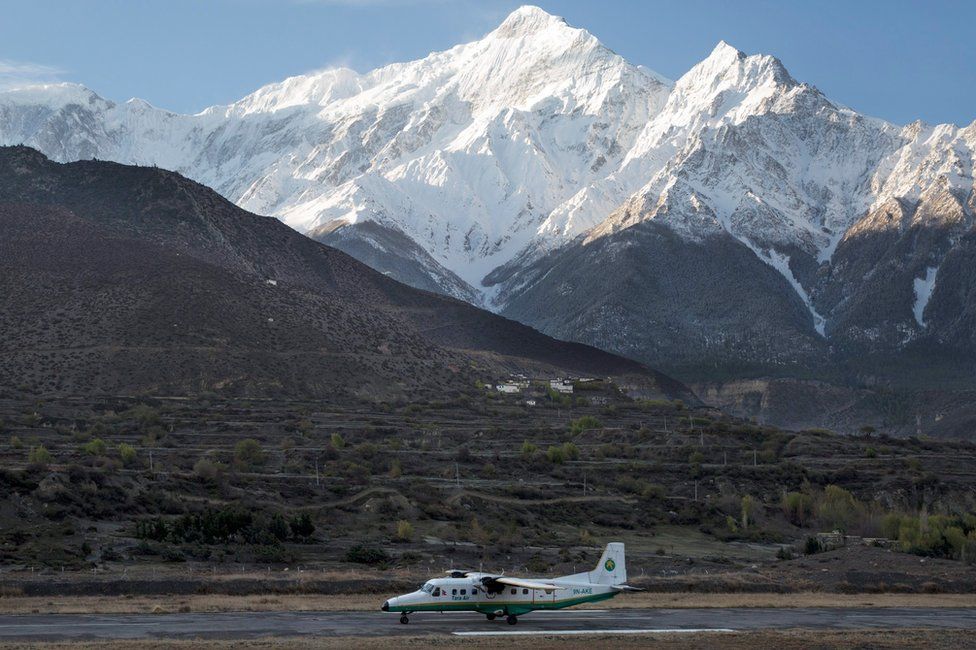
(14, 74)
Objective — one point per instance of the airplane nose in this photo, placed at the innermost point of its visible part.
(386, 606)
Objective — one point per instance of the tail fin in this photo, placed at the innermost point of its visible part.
(612, 568)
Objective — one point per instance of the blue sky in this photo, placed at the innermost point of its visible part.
(896, 59)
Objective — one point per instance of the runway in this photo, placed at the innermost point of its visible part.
(249, 625)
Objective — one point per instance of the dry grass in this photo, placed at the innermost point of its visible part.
(365, 602)
(780, 639)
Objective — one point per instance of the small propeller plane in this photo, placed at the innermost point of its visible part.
(496, 595)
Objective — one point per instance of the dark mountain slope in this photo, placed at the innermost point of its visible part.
(125, 279)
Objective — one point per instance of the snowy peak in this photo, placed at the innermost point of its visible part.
(527, 20)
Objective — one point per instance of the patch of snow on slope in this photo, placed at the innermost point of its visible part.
(923, 293)
(781, 263)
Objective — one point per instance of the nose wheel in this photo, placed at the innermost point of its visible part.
(404, 620)
(491, 617)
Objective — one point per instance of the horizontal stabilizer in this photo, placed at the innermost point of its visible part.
(627, 588)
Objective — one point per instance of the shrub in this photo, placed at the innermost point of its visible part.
(302, 527)
(39, 455)
(404, 531)
(94, 447)
(748, 506)
(337, 441)
(278, 527)
(584, 423)
(396, 468)
(127, 453)
(811, 546)
(16, 443)
(528, 449)
(206, 469)
(556, 455)
(249, 453)
(365, 555)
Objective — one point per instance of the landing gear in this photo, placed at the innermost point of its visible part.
(511, 619)
(491, 617)
(403, 619)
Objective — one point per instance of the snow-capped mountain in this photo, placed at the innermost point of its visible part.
(537, 172)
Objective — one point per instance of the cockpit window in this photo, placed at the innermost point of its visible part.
(427, 588)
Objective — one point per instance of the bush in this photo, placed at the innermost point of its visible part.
(365, 555)
(302, 527)
(207, 469)
(811, 546)
(584, 423)
(337, 441)
(404, 531)
(16, 443)
(748, 506)
(127, 453)
(556, 455)
(94, 447)
(39, 455)
(249, 453)
(528, 449)
(278, 527)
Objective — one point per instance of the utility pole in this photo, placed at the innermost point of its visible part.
(316, 471)
(457, 475)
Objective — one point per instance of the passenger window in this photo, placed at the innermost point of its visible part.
(525, 591)
(514, 591)
(454, 592)
(437, 591)
(464, 592)
(474, 592)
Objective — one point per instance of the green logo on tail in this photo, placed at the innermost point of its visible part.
(610, 565)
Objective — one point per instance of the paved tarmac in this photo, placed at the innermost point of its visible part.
(248, 625)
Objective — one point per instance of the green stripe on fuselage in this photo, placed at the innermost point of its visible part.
(510, 607)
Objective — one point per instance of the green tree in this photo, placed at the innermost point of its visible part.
(249, 453)
(838, 508)
(278, 527)
(337, 441)
(302, 527)
(797, 508)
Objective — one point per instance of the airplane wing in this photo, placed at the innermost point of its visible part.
(528, 584)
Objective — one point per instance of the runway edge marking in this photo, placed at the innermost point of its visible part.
(584, 632)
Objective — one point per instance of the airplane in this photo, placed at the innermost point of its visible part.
(496, 595)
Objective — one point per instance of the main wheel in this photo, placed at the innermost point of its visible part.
(404, 620)
(491, 617)
(511, 619)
